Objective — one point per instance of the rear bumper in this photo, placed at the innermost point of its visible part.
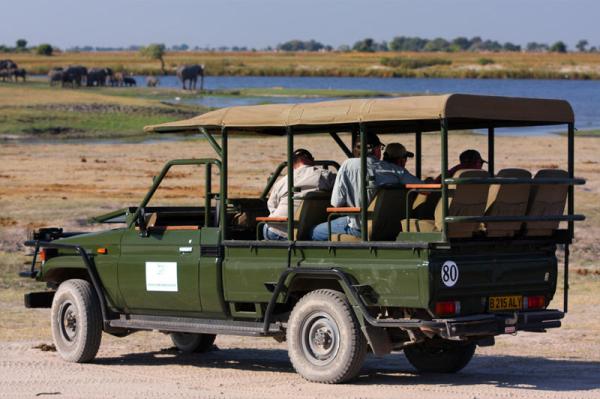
(495, 324)
(39, 299)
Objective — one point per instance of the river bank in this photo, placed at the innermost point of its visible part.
(484, 65)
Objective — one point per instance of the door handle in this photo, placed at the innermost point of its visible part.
(185, 250)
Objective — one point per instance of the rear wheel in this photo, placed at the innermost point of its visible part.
(193, 343)
(76, 321)
(325, 343)
(440, 356)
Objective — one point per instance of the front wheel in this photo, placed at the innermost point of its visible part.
(76, 321)
(440, 356)
(193, 343)
(325, 343)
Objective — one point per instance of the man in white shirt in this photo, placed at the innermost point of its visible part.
(307, 178)
(346, 191)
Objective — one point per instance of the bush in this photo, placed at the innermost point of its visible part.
(485, 61)
(412, 63)
(44, 49)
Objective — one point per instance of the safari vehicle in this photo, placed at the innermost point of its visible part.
(433, 275)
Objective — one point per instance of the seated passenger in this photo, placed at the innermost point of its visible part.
(307, 178)
(346, 191)
(469, 159)
(393, 167)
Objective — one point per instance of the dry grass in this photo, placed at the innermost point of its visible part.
(464, 64)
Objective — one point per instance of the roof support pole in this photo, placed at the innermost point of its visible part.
(491, 151)
(571, 171)
(342, 145)
(364, 228)
(223, 208)
(444, 139)
(290, 182)
(419, 155)
(213, 143)
(208, 194)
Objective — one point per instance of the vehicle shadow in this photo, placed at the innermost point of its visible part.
(516, 372)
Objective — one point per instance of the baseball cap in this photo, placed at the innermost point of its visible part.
(397, 151)
(470, 156)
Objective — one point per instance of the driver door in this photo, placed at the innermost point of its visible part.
(160, 272)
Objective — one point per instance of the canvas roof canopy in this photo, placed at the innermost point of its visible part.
(399, 114)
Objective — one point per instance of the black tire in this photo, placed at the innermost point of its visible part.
(193, 343)
(440, 356)
(76, 321)
(325, 343)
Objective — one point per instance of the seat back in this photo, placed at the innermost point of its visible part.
(311, 211)
(387, 209)
(507, 200)
(464, 200)
(546, 200)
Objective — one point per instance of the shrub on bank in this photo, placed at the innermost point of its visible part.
(413, 63)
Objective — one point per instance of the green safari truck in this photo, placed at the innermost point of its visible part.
(439, 269)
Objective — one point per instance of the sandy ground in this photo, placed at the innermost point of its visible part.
(63, 184)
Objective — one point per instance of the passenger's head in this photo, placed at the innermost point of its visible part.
(471, 159)
(302, 157)
(373, 146)
(397, 154)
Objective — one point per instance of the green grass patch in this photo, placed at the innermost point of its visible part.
(485, 61)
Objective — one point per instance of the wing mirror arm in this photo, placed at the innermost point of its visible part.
(141, 222)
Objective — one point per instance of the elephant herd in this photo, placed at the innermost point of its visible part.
(9, 70)
(78, 75)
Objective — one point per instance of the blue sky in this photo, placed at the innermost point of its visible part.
(260, 23)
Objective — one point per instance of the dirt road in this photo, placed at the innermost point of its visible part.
(146, 366)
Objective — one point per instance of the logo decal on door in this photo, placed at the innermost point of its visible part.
(161, 276)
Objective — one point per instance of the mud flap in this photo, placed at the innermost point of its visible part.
(379, 340)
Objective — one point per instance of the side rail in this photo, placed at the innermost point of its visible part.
(89, 265)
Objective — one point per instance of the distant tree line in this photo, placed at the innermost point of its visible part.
(398, 43)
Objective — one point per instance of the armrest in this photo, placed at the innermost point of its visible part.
(271, 219)
(423, 185)
(346, 209)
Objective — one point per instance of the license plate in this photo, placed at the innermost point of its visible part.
(514, 302)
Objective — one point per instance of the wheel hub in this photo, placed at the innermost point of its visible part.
(320, 338)
(68, 321)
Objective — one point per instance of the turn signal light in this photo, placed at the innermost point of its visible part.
(447, 308)
(102, 251)
(534, 302)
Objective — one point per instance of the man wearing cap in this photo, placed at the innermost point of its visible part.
(346, 191)
(393, 168)
(469, 159)
(307, 178)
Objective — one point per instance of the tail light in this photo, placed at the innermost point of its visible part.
(447, 308)
(42, 255)
(534, 302)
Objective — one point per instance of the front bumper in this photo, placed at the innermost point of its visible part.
(495, 324)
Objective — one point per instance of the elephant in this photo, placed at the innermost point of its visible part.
(129, 81)
(20, 73)
(98, 76)
(55, 75)
(191, 73)
(152, 81)
(8, 64)
(74, 75)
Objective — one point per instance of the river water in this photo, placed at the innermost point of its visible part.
(584, 96)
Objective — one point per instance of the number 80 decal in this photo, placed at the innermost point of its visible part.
(449, 273)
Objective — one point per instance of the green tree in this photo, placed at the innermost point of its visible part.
(44, 49)
(367, 45)
(155, 51)
(21, 45)
(559, 47)
(581, 45)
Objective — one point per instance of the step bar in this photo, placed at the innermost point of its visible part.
(195, 325)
